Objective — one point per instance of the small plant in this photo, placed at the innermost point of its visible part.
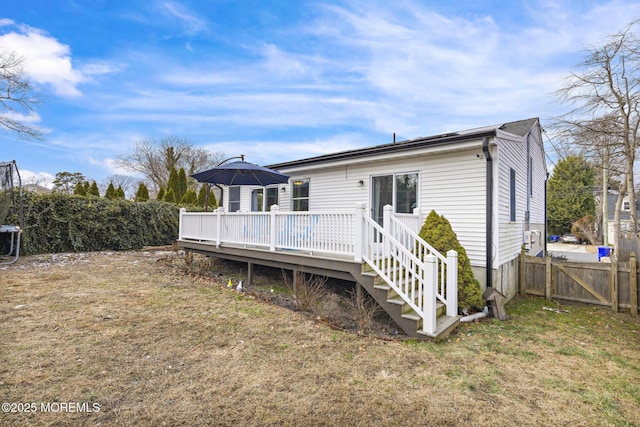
(364, 308)
(197, 265)
(307, 290)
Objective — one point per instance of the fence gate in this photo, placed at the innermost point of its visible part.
(613, 284)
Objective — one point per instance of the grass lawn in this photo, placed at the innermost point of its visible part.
(131, 339)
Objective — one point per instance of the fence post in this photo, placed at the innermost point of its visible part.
(273, 224)
(521, 271)
(613, 286)
(357, 227)
(452, 283)
(548, 278)
(633, 280)
(429, 296)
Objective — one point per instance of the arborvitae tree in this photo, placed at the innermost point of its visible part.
(93, 190)
(111, 192)
(170, 196)
(87, 188)
(120, 193)
(437, 231)
(80, 189)
(142, 195)
(182, 184)
(173, 183)
(161, 194)
(189, 198)
(202, 195)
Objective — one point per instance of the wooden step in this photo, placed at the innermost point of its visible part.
(403, 314)
(444, 326)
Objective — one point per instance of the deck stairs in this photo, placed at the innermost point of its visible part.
(401, 312)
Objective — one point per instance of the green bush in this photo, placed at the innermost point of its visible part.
(62, 223)
(437, 231)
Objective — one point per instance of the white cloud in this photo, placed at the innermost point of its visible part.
(192, 24)
(41, 178)
(46, 60)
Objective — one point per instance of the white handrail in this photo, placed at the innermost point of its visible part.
(447, 278)
(416, 271)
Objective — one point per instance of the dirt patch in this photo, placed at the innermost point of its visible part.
(132, 339)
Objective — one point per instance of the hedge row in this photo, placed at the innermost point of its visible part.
(61, 223)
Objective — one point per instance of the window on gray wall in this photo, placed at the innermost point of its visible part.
(512, 194)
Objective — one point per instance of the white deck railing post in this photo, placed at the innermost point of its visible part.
(429, 294)
(452, 283)
(219, 217)
(273, 227)
(387, 211)
(181, 223)
(358, 225)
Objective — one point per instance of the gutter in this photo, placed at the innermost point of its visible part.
(489, 213)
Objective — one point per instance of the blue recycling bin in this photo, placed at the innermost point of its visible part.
(604, 251)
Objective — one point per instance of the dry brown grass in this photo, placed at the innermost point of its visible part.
(155, 346)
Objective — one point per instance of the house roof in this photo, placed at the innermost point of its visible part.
(518, 128)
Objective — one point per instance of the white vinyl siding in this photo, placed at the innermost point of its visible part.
(451, 183)
(511, 153)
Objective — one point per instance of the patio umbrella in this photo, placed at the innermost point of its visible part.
(241, 173)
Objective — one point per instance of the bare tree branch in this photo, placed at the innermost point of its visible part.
(17, 98)
(605, 98)
(155, 159)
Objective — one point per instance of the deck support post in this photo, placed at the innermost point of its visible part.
(452, 283)
(249, 273)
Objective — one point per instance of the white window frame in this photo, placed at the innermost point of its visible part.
(307, 197)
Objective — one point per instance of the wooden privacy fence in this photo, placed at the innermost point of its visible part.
(612, 284)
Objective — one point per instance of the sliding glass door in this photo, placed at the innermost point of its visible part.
(382, 195)
(399, 190)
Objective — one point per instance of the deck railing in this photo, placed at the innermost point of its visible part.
(331, 233)
(418, 273)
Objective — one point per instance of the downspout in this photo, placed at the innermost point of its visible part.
(489, 213)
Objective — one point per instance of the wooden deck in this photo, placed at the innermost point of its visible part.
(411, 281)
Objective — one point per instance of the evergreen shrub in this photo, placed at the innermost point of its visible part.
(437, 231)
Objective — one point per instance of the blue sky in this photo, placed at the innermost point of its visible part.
(283, 80)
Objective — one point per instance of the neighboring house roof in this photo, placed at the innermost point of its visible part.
(519, 128)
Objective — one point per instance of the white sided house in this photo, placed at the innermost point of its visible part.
(488, 182)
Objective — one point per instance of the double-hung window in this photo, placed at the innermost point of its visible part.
(300, 195)
(234, 199)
